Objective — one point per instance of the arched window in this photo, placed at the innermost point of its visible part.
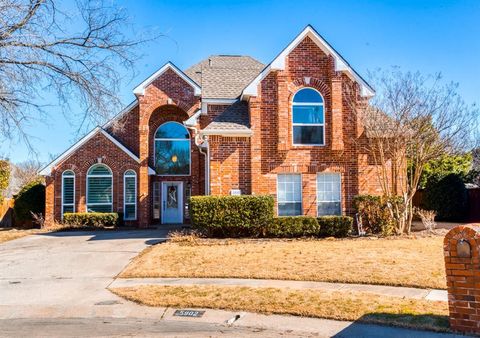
(130, 195)
(172, 150)
(68, 191)
(308, 118)
(99, 189)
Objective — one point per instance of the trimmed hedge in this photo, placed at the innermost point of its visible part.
(293, 226)
(231, 216)
(335, 226)
(448, 197)
(31, 198)
(91, 219)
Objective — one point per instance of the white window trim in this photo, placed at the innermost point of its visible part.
(125, 176)
(86, 183)
(63, 182)
(189, 140)
(301, 194)
(340, 183)
(293, 104)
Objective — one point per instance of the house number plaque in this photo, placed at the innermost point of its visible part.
(188, 313)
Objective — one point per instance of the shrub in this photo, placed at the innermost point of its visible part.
(292, 226)
(335, 226)
(231, 216)
(448, 197)
(30, 199)
(374, 213)
(91, 219)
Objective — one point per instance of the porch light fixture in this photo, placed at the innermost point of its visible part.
(463, 249)
(174, 158)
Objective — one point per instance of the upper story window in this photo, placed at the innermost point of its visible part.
(99, 189)
(308, 118)
(172, 150)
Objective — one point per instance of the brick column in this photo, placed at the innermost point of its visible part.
(143, 179)
(462, 263)
(337, 114)
(49, 201)
(283, 108)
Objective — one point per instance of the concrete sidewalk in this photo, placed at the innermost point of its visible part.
(393, 291)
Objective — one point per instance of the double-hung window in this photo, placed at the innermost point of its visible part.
(289, 194)
(68, 191)
(99, 189)
(308, 118)
(328, 194)
(130, 195)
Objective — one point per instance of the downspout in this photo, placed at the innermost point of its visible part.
(203, 147)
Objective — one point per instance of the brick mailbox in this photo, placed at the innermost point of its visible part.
(462, 262)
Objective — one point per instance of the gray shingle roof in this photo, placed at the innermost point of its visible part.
(224, 76)
(235, 117)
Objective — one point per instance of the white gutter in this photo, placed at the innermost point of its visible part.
(228, 132)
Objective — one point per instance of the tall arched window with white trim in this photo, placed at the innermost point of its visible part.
(172, 150)
(68, 191)
(308, 118)
(99, 189)
(130, 195)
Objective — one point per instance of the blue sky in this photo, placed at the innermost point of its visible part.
(429, 36)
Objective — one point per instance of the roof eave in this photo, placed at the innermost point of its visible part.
(279, 64)
(140, 89)
(47, 170)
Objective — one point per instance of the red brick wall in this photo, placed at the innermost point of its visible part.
(167, 90)
(272, 149)
(80, 161)
(230, 165)
(126, 130)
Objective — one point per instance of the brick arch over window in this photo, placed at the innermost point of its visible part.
(158, 117)
(311, 82)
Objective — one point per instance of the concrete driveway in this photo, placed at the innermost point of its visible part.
(55, 285)
(66, 274)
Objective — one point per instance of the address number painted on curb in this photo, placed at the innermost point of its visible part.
(188, 313)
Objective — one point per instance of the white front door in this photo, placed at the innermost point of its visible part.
(172, 202)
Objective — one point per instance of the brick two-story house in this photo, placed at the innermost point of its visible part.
(227, 125)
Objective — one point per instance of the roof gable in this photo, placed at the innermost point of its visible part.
(47, 170)
(224, 76)
(140, 89)
(279, 63)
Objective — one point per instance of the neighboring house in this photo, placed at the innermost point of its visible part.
(227, 125)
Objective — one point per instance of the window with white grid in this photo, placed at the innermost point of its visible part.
(289, 194)
(328, 194)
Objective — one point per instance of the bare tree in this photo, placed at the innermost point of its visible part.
(412, 119)
(26, 172)
(77, 53)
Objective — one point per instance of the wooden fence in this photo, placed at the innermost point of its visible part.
(473, 214)
(6, 213)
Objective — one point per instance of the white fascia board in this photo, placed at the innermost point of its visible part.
(219, 101)
(140, 89)
(279, 63)
(192, 121)
(228, 132)
(121, 113)
(48, 169)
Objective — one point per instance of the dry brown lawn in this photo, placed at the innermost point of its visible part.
(8, 234)
(416, 262)
(354, 306)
